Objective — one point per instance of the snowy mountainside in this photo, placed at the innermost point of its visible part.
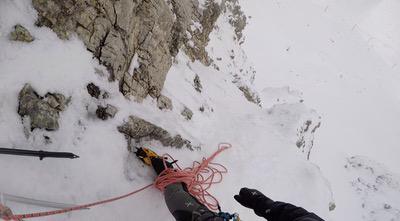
(377, 188)
(264, 143)
(341, 55)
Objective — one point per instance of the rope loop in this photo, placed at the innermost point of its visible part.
(199, 178)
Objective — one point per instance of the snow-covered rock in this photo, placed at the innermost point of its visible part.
(377, 187)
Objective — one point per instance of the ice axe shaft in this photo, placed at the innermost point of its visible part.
(34, 153)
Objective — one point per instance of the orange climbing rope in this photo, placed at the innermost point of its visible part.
(198, 179)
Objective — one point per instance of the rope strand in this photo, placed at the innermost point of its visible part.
(199, 179)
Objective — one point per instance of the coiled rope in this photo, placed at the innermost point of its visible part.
(199, 178)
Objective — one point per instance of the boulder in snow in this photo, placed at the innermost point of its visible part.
(106, 112)
(20, 33)
(164, 102)
(42, 112)
(187, 113)
(96, 92)
(140, 130)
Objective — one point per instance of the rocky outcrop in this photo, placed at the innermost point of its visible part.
(117, 31)
(250, 95)
(20, 33)
(43, 112)
(140, 130)
(237, 18)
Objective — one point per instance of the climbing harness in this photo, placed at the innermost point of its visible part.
(198, 179)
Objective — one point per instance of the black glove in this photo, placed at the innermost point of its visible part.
(254, 199)
(158, 164)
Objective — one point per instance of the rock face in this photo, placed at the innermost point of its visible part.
(20, 33)
(377, 188)
(140, 130)
(42, 111)
(117, 31)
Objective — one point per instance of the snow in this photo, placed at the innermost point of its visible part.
(134, 64)
(310, 61)
(342, 56)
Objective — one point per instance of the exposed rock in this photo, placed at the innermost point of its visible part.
(164, 102)
(138, 129)
(57, 101)
(201, 109)
(20, 33)
(114, 31)
(42, 112)
(106, 112)
(237, 18)
(197, 83)
(96, 92)
(305, 135)
(332, 206)
(93, 90)
(198, 37)
(250, 95)
(187, 113)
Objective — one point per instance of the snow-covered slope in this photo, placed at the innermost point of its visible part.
(262, 155)
(342, 55)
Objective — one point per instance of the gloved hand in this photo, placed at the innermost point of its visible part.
(254, 199)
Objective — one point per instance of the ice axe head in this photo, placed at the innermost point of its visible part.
(145, 155)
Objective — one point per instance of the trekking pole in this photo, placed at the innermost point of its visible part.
(41, 154)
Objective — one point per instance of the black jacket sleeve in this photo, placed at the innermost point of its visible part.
(280, 211)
